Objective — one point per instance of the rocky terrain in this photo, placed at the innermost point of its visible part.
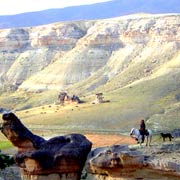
(121, 162)
(95, 53)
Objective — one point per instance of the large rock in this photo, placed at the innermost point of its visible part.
(112, 160)
(60, 158)
(120, 162)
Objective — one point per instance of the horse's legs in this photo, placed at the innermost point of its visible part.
(147, 141)
(140, 140)
(149, 138)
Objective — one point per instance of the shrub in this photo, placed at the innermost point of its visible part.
(6, 160)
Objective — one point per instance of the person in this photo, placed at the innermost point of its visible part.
(142, 129)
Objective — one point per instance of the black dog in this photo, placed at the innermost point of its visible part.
(166, 135)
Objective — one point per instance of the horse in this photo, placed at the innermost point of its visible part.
(135, 133)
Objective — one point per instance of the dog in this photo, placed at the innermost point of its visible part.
(166, 135)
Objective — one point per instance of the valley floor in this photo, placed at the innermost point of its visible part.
(102, 140)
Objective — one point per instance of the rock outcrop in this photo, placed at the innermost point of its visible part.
(64, 98)
(59, 158)
(121, 162)
(99, 99)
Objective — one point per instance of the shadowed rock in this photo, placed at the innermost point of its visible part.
(18, 134)
(37, 156)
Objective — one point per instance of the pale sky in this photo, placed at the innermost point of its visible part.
(8, 7)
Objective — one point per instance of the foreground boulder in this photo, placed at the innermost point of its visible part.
(120, 162)
(59, 158)
(116, 161)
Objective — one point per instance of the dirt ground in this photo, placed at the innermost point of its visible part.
(101, 140)
(98, 140)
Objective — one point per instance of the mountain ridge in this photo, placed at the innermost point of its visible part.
(110, 9)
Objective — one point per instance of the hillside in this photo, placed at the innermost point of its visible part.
(133, 60)
(110, 9)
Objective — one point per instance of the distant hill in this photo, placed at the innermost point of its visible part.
(103, 10)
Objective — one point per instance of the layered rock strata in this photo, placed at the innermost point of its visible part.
(59, 158)
(90, 53)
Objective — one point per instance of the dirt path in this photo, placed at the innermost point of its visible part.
(101, 140)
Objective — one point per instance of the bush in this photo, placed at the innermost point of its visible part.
(5, 161)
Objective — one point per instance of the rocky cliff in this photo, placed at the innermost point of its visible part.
(110, 53)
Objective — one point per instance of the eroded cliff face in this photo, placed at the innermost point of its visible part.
(118, 51)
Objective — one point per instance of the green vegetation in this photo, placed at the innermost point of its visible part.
(5, 144)
(5, 160)
(19, 100)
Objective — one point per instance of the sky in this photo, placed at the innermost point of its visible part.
(9, 7)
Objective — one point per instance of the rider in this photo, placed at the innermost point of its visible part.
(142, 129)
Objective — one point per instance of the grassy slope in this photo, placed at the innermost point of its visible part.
(152, 99)
(25, 100)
